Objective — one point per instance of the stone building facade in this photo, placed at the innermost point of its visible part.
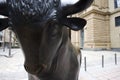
(5, 39)
(103, 26)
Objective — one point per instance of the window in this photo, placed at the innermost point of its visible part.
(117, 3)
(1, 36)
(117, 21)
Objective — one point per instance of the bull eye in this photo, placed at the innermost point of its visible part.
(55, 30)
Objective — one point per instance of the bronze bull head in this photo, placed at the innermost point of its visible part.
(40, 26)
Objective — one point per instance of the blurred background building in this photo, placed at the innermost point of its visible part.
(102, 31)
(103, 26)
(5, 37)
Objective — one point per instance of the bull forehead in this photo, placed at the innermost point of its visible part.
(32, 7)
(33, 10)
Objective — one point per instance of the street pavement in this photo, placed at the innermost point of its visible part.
(94, 69)
(11, 68)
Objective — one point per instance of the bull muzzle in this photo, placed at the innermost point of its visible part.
(36, 69)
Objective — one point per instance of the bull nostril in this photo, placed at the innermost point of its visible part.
(42, 68)
(35, 69)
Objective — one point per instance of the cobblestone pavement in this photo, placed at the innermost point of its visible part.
(11, 68)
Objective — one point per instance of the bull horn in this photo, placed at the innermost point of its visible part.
(3, 8)
(3, 23)
(77, 7)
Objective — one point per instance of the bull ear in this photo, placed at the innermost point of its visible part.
(3, 23)
(3, 8)
(77, 6)
(75, 23)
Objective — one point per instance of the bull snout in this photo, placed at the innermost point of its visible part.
(36, 69)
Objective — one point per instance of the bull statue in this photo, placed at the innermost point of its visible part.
(41, 28)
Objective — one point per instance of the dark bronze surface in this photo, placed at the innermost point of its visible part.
(41, 28)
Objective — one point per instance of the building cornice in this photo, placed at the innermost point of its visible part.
(115, 11)
(86, 13)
